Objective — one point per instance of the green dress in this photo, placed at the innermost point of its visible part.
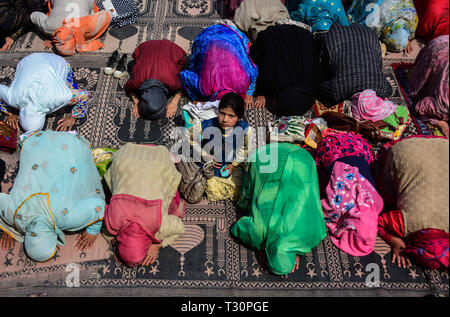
(281, 192)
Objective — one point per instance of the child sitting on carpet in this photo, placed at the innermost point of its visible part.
(228, 136)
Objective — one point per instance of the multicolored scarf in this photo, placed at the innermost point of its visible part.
(219, 64)
(428, 248)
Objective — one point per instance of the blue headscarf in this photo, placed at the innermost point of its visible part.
(57, 188)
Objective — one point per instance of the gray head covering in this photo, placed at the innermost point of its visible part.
(154, 99)
(254, 16)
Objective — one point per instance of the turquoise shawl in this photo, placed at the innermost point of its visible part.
(57, 188)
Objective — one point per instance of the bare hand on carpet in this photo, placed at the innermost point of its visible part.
(85, 241)
(398, 246)
(173, 106)
(65, 124)
(13, 121)
(152, 254)
(409, 48)
(249, 102)
(6, 241)
(48, 44)
(443, 126)
(297, 264)
(8, 43)
(135, 111)
(260, 102)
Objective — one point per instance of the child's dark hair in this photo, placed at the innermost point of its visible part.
(233, 101)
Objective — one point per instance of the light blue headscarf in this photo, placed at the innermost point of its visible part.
(57, 188)
(39, 87)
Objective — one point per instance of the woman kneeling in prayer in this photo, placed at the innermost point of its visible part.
(414, 183)
(57, 188)
(281, 193)
(352, 203)
(430, 83)
(220, 64)
(320, 15)
(43, 83)
(73, 26)
(145, 209)
(287, 69)
(156, 76)
(394, 21)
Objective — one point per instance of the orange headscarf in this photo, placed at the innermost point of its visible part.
(81, 34)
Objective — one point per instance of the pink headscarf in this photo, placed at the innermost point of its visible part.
(351, 208)
(368, 106)
(134, 242)
(134, 221)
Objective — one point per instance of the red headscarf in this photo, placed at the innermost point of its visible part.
(134, 221)
(134, 242)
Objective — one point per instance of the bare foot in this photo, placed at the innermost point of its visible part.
(296, 265)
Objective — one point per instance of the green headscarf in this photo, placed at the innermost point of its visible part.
(281, 192)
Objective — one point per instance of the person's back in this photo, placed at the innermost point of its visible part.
(34, 78)
(61, 10)
(418, 167)
(157, 59)
(287, 68)
(219, 64)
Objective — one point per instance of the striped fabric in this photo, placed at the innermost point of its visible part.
(351, 55)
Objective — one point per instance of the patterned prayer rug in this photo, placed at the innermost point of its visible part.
(206, 260)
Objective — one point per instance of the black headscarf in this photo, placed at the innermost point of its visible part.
(154, 99)
(287, 68)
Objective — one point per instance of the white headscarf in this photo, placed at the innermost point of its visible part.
(39, 87)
